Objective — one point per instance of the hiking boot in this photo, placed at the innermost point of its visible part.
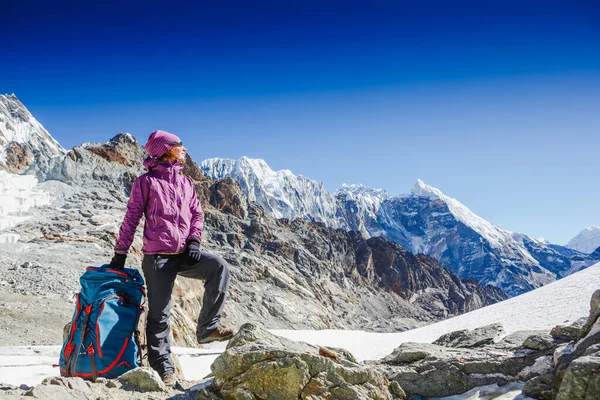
(169, 379)
(218, 335)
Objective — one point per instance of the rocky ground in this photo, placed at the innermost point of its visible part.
(562, 364)
(140, 384)
(32, 320)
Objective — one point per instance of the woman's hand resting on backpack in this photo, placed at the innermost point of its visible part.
(118, 261)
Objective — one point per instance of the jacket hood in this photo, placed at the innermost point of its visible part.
(160, 142)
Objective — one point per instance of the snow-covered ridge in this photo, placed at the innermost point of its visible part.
(19, 126)
(368, 200)
(356, 190)
(586, 241)
(281, 193)
(495, 235)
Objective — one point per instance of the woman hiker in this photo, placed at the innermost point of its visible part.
(171, 247)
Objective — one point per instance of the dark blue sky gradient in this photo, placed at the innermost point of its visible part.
(481, 99)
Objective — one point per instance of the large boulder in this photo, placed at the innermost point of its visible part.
(430, 370)
(581, 380)
(590, 336)
(478, 337)
(567, 333)
(259, 365)
(144, 379)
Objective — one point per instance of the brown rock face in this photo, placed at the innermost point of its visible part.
(226, 196)
(18, 158)
(120, 149)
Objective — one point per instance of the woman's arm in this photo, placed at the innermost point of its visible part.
(135, 210)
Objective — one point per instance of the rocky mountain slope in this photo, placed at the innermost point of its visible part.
(425, 221)
(586, 241)
(286, 274)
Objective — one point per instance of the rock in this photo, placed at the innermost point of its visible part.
(75, 383)
(397, 390)
(25, 387)
(539, 343)
(542, 366)
(566, 333)
(5, 387)
(227, 196)
(55, 392)
(581, 380)
(478, 337)
(515, 340)
(430, 370)
(410, 352)
(541, 387)
(592, 337)
(144, 379)
(113, 384)
(257, 364)
(594, 313)
(592, 350)
(18, 157)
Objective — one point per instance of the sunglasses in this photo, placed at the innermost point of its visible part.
(175, 143)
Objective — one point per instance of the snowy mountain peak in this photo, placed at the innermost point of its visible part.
(587, 240)
(422, 189)
(124, 136)
(256, 164)
(495, 235)
(23, 140)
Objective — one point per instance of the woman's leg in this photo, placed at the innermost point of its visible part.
(160, 273)
(215, 273)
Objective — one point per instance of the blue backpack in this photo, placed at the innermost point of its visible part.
(103, 339)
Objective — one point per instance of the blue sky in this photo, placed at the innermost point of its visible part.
(496, 104)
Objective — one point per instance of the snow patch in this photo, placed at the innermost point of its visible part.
(17, 195)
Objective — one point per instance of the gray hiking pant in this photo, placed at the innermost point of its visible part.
(160, 272)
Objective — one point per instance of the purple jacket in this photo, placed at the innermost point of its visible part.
(168, 201)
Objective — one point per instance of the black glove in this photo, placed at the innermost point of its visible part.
(118, 261)
(193, 252)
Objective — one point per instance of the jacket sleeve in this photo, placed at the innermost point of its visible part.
(197, 223)
(135, 210)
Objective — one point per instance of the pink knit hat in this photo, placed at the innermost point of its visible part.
(160, 142)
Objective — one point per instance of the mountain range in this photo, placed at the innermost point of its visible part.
(285, 273)
(425, 221)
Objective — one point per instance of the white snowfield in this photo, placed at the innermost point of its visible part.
(559, 303)
(17, 196)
